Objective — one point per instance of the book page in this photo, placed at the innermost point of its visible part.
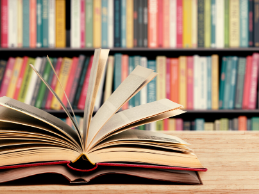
(138, 78)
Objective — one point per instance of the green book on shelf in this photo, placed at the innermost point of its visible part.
(222, 82)
(241, 69)
(25, 23)
(160, 125)
(89, 23)
(201, 23)
(45, 23)
(39, 23)
(227, 83)
(255, 123)
(223, 124)
(226, 23)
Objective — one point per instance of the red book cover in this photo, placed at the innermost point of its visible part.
(166, 14)
(82, 24)
(124, 74)
(174, 80)
(242, 123)
(152, 23)
(20, 78)
(71, 77)
(160, 20)
(247, 82)
(178, 124)
(53, 83)
(254, 80)
(81, 102)
(33, 26)
(7, 76)
(179, 24)
(190, 82)
(4, 23)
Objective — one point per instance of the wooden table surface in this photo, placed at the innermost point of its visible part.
(232, 159)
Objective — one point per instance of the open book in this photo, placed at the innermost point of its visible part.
(35, 142)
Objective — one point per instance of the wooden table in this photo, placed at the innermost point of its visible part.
(232, 159)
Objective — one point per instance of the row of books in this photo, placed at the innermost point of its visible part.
(33, 23)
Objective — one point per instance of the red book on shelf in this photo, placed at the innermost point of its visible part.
(7, 76)
(160, 20)
(53, 83)
(190, 82)
(254, 80)
(247, 83)
(174, 80)
(81, 102)
(33, 26)
(166, 35)
(71, 77)
(167, 89)
(242, 123)
(82, 23)
(152, 23)
(4, 23)
(20, 78)
(179, 24)
(124, 74)
(178, 124)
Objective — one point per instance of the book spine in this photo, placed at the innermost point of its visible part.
(25, 23)
(233, 78)
(248, 124)
(183, 82)
(45, 23)
(179, 24)
(89, 23)
(51, 26)
(129, 21)
(223, 124)
(227, 84)
(187, 23)
(201, 23)
(109, 78)
(152, 23)
(255, 123)
(161, 72)
(160, 27)
(222, 82)
(251, 23)
(82, 23)
(196, 75)
(172, 23)
(110, 23)
(137, 96)
(159, 125)
(194, 23)
(178, 124)
(33, 27)
(199, 124)
(123, 23)
(235, 123)
(167, 81)
(117, 23)
(151, 86)
(140, 24)
(240, 82)
(12, 23)
(2, 72)
(124, 74)
(174, 80)
(104, 23)
(143, 92)
(247, 82)
(117, 70)
(60, 23)
(7, 76)
(4, 23)
(220, 24)
(209, 23)
(39, 23)
(190, 81)
(131, 68)
(234, 29)
(135, 23)
(171, 124)
(208, 126)
(53, 84)
(97, 28)
(254, 79)
(256, 23)
(244, 23)
(226, 24)
(166, 35)
(203, 83)
(19, 23)
(145, 20)
(215, 82)
(209, 84)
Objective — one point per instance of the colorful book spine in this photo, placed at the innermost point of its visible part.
(226, 24)
(39, 23)
(75, 24)
(52, 20)
(151, 86)
(249, 125)
(247, 83)
(256, 23)
(131, 68)
(7, 76)
(82, 23)
(220, 24)
(209, 83)
(60, 23)
(179, 24)
(187, 23)
(199, 124)
(123, 23)
(233, 79)
(251, 23)
(33, 27)
(117, 70)
(240, 82)
(227, 84)
(178, 124)
(255, 123)
(196, 76)
(12, 19)
(190, 83)
(171, 124)
(135, 23)
(117, 23)
(45, 23)
(208, 126)
(234, 24)
(110, 23)
(172, 23)
(203, 83)
(222, 82)
(25, 23)
(104, 23)
(2, 71)
(186, 125)
(166, 35)
(209, 23)
(97, 28)
(174, 80)
(223, 124)
(194, 23)
(244, 23)
(182, 81)
(254, 80)
(242, 123)
(201, 22)
(145, 20)
(140, 23)
(152, 23)
(19, 23)
(167, 82)
(89, 23)
(129, 23)
(109, 78)
(137, 96)
(160, 19)
(4, 23)
(124, 74)
(215, 82)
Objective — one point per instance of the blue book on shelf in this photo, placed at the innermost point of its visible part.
(104, 23)
(123, 23)
(39, 23)
(213, 23)
(131, 68)
(45, 23)
(222, 82)
(244, 21)
(117, 70)
(233, 80)
(117, 23)
(137, 96)
(151, 86)
(240, 82)
(199, 124)
(26, 23)
(227, 83)
(209, 83)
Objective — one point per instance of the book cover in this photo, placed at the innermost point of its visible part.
(187, 23)
(172, 23)
(19, 23)
(209, 23)
(131, 68)
(60, 23)
(136, 63)
(208, 126)
(201, 23)
(123, 23)
(226, 23)
(247, 83)
(45, 23)
(209, 83)
(224, 124)
(178, 124)
(152, 23)
(233, 78)
(186, 125)
(7, 76)
(12, 24)
(222, 82)
(151, 86)
(197, 81)
(52, 20)
(117, 23)
(25, 23)
(242, 123)
(215, 82)
(203, 83)
(255, 123)
(251, 23)
(75, 34)
(240, 82)
(109, 79)
(82, 23)
(254, 81)
(234, 29)
(2, 71)
(33, 26)
(220, 23)
(228, 80)
(194, 23)
(166, 27)
(140, 24)
(179, 24)
(129, 23)
(124, 74)
(182, 81)
(190, 83)
(97, 24)
(104, 23)
(171, 124)
(160, 24)
(199, 124)
(89, 23)
(39, 23)
(256, 23)
(145, 20)
(244, 23)
(110, 23)
(4, 23)
(174, 80)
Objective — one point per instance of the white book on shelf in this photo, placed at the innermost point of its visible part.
(152, 126)
(110, 23)
(75, 24)
(33, 80)
(172, 25)
(12, 23)
(203, 83)
(143, 92)
(194, 23)
(52, 25)
(220, 23)
(196, 75)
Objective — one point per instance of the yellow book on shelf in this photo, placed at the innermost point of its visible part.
(182, 81)
(60, 23)
(129, 16)
(207, 23)
(234, 23)
(215, 82)
(208, 126)
(97, 27)
(187, 23)
(63, 77)
(14, 78)
(19, 23)
(171, 124)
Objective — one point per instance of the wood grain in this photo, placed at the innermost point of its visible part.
(232, 159)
